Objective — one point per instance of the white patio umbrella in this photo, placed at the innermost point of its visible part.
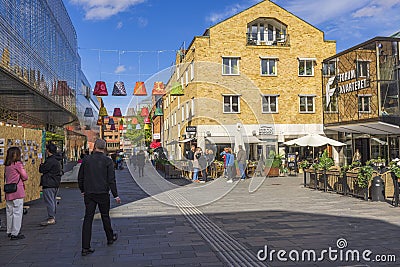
(314, 140)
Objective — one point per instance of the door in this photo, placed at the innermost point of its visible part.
(363, 146)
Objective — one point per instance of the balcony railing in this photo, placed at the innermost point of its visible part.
(257, 39)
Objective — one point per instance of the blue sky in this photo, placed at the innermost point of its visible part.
(112, 32)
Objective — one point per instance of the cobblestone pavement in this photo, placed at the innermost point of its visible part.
(185, 224)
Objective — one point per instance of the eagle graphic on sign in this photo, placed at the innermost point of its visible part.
(330, 91)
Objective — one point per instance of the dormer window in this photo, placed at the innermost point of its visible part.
(266, 31)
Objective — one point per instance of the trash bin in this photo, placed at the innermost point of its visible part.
(377, 189)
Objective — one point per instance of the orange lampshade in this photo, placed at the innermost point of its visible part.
(140, 89)
(121, 127)
(144, 112)
(158, 89)
(100, 89)
(134, 121)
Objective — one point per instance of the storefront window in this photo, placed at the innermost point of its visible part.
(393, 147)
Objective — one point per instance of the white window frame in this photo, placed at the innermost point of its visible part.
(304, 62)
(230, 66)
(186, 77)
(192, 71)
(183, 113)
(328, 109)
(313, 103)
(192, 106)
(231, 110)
(275, 59)
(187, 110)
(327, 71)
(358, 62)
(362, 97)
(178, 73)
(175, 118)
(179, 102)
(269, 104)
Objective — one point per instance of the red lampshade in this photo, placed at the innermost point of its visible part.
(134, 121)
(145, 112)
(100, 89)
(158, 89)
(140, 89)
(147, 120)
(121, 127)
(117, 112)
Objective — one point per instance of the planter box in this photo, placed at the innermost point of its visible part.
(272, 172)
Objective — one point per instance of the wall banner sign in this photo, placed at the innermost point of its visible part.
(191, 129)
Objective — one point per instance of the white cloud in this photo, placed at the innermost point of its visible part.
(120, 69)
(103, 9)
(230, 11)
(119, 25)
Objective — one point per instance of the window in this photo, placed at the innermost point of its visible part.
(307, 104)
(333, 104)
(187, 110)
(230, 66)
(178, 74)
(192, 71)
(364, 102)
(363, 68)
(306, 67)
(182, 82)
(187, 77)
(268, 66)
(179, 102)
(269, 103)
(175, 121)
(329, 69)
(231, 104)
(192, 106)
(183, 113)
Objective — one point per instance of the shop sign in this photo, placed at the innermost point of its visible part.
(266, 130)
(156, 136)
(191, 129)
(346, 87)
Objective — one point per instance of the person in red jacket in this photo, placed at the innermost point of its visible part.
(14, 172)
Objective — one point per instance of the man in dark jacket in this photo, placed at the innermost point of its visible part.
(50, 182)
(96, 178)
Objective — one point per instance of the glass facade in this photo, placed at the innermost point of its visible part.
(39, 45)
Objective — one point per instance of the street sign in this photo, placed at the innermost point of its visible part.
(266, 130)
(191, 129)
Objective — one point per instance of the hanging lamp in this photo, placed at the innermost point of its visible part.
(147, 120)
(121, 121)
(103, 112)
(117, 112)
(177, 90)
(129, 127)
(120, 127)
(158, 112)
(140, 89)
(88, 112)
(147, 127)
(100, 89)
(138, 127)
(134, 120)
(99, 121)
(119, 89)
(112, 128)
(144, 112)
(111, 121)
(158, 89)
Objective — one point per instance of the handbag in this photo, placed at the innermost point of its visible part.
(11, 187)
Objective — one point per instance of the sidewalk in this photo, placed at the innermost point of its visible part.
(173, 228)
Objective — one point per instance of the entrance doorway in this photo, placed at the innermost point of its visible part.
(363, 145)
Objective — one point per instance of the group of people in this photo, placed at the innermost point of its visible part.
(229, 163)
(138, 160)
(199, 162)
(96, 179)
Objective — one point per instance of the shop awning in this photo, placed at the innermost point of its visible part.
(373, 128)
(18, 96)
(231, 139)
(185, 140)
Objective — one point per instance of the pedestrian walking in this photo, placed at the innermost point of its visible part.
(196, 165)
(190, 157)
(141, 161)
(50, 182)
(134, 161)
(96, 178)
(14, 172)
(230, 165)
(242, 160)
(223, 154)
(202, 159)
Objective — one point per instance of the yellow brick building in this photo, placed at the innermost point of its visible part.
(252, 79)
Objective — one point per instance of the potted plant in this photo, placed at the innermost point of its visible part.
(273, 164)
